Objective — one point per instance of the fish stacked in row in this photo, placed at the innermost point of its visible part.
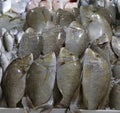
(61, 59)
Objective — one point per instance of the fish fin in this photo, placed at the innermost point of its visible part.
(27, 104)
(47, 105)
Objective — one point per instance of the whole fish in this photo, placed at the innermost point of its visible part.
(30, 43)
(36, 18)
(76, 38)
(53, 38)
(101, 26)
(14, 78)
(96, 80)
(8, 41)
(40, 81)
(68, 76)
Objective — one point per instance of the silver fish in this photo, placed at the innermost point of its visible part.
(76, 38)
(30, 43)
(40, 80)
(8, 41)
(36, 18)
(96, 80)
(68, 76)
(53, 38)
(98, 26)
(14, 78)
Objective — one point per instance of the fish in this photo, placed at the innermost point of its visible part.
(40, 81)
(8, 41)
(53, 38)
(68, 76)
(30, 43)
(76, 38)
(102, 27)
(96, 80)
(36, 18)
(14, 79)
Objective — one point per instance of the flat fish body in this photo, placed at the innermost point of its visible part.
(53, 39)
(14, 78)
(98, 27)
(68, 75)
(40, 79)
(8, 40)
(30, 43)
(96, 80)
(76, 38)
(36, 18)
